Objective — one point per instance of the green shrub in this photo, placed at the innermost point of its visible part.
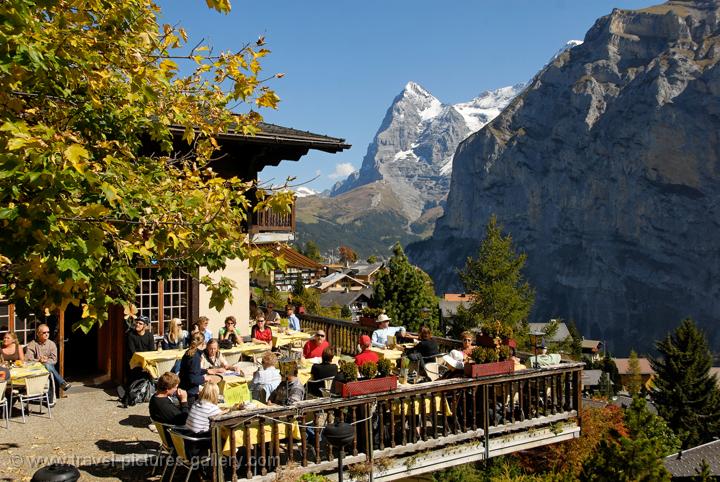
(369, 370)
(384, 367)
(349, 370)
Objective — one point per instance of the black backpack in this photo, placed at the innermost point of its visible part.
(139, 391)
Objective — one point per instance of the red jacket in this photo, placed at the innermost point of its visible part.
(265, 335)
(366, 356)
(314, 350)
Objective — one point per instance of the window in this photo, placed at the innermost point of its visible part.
(162, 300)
(24, 328)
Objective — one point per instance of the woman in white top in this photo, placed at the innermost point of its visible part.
(198, 421)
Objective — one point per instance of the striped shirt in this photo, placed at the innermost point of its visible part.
(199, 417)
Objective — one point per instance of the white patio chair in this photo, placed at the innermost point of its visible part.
(434, 371)
(36, 388)
(232, 358)
(4, 402)
(165, 365)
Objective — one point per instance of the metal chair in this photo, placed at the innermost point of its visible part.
(36, 388)
(324, 387)
(4, 403)
(166, 445)
(434, 371)
(179, 441)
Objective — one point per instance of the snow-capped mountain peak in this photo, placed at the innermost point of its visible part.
(303, 191)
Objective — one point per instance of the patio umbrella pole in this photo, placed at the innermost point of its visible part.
(61, 345)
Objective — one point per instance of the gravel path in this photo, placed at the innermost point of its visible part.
(88, 429)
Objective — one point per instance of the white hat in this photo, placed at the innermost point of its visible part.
(455, 359)
(383, 317)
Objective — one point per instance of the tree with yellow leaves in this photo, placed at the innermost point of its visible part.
(85, 87)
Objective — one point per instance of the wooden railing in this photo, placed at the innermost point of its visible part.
(268, 220)
(410, 420)
(345, 334)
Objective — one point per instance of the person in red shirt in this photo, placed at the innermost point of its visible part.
(260, 333)
(366, 355)
(315, 346)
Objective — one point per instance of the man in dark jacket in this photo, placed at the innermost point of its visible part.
(162, 408)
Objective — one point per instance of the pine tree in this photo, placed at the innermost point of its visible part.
(345, 312)
(685, 393)
(404, 290)
(635, 379)
(575, 341)
(494, 278)
(635, 457)
(312, 251)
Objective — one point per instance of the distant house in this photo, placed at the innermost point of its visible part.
(591, 379)
(365, 272)
(646, 371)
(339, 282)
(354, 300)
(591, 349)
(297, 266)
(716, 371)
(451, 302)
(560, 335)
(686, 464)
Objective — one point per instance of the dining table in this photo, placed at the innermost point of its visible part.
(392, 354)
(27, 369)
(289, 337)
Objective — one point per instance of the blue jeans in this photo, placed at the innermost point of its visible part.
(58, 379)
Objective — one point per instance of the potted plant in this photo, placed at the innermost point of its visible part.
(495, 333)
(368, 316)
(404, 366)
(371, 383)
(385, 367)
(490, 361)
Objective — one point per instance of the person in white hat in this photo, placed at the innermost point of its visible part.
(380, 336)
(455, 361)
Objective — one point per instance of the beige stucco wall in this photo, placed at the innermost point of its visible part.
(238, 271)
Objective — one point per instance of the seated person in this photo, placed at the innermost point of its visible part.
(518, 362)
(202, 327)
(544, 359)
(230, 332)
(467, 343)
(162, 408)
(365, 355)
(11, 349)
(427, 348)
(403, 336)
(176, 337)
(44, 350)
(212, 360)
(314, 347)
(266, 378)
(272, 316)
(455, 362)
(198, 419)
(321, 371)
(293, 321)
(261, 333)
(379, 336)
(289, 392)
(192, 375)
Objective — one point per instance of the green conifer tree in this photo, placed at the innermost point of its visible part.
(635, 379)
(404, 290)
(685, 393)
(495, 279)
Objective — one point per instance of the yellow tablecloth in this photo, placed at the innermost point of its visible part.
(147, 360)
(387, 354)
(428, 406)
(289, 338)
(239, 433)
(18, 374)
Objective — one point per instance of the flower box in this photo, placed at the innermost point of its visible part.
(489, 342)
(365, 387)
(370, 321)
(475, 370)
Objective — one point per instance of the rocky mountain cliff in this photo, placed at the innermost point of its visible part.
(405, 174)
(606, 172)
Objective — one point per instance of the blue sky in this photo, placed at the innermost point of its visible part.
(344, 62)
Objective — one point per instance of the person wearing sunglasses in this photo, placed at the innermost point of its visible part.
(314, 347)
(230, 331)
(44, 350)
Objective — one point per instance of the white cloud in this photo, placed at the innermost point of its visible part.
(342, 170)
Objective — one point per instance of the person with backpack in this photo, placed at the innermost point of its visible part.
(138, 339)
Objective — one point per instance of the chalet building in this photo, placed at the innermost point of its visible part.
(181, 296)
(561, 334)
(450, 303)
(592, 349)
(687, 464)
(340, 282)
(354, 300)
(297, 267)
(365, 272)
(591, 380)
(646, 371)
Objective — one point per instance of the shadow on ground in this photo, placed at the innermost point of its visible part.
(128, 446)
(138, 421)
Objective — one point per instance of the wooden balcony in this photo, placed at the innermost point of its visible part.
(269, 221)
(409, 431)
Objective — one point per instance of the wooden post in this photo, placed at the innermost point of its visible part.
(61, 345)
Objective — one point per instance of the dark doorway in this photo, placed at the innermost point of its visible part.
(81, 349)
